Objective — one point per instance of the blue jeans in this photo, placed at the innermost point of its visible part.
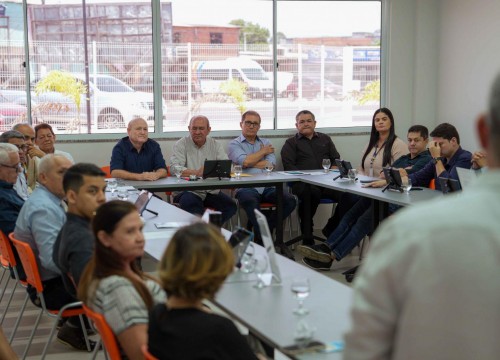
(193, 204)
(356, 223)
(250, 199)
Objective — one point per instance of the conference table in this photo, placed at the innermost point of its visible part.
(266, 312)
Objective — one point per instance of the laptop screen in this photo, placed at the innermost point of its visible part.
(142, 201)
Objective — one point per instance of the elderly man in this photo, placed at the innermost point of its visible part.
(190, 153)
(33, 154)
(45, 140)
(38, 224)
(84, 186)
(252, 153)
(306, 151)
(16, 138)
(428, 288)
(136, 157)
(10, 201)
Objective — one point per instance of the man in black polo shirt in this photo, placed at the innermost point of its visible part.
(306, 151)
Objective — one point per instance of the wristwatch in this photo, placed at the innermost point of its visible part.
(436, 159)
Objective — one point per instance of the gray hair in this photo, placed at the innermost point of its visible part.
(17, 126)
(47, 162)
(11, 134)
(199, 117)
(5, 150)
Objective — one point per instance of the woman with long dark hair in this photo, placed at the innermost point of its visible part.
(384, 146)
(112, 283)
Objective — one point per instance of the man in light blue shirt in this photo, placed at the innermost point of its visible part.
(253, 153)
(40, 220)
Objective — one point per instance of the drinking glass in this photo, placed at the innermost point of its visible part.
(112, 186)
(269, 167)
(247, 263)
(326, 164)
(237, 171)
(300, 288)
(303, 334)
(406, 184)
(123, 194)
(352, 174)
(177, 171)
(260, 265)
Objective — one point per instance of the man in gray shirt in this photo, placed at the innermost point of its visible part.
(190, 153)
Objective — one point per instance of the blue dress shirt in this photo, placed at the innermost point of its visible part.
(10, 206)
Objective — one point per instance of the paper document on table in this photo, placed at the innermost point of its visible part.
(171, 225)
(295, 172)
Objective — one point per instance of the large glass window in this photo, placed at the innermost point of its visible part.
(93, 71)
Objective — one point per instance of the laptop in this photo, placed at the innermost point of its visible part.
(217, 169)
(466, 176)
(267, 239)
(239, 241)
(142, 201)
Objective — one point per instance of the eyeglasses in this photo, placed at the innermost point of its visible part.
(18, 167)
(251, 124)
(22, 147)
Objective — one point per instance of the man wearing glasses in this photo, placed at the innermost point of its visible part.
(17, 139)
(33, 154)
(10, 201)
(253, 153)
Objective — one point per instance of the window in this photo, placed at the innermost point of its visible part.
(213, 63)
(215, 38)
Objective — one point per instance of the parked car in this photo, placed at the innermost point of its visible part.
(311, 89)
(174, 86)
(10, 113)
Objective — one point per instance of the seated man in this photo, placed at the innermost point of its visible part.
(136, 157)
(16, 138)
(252, 153)
(306, 151)
(358, 220)
(45, 140)
(33, 154)
(190, 153)
(447, 155)
(84, 186)
(10, 201)
(38, 224)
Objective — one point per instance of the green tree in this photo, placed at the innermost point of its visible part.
(254, 33)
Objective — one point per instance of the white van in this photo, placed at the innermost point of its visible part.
(211, 74)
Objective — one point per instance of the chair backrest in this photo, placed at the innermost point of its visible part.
(6, 250)
(146, 353)
(107, 335)
(432, 184)
(107, 171)
(29, 263)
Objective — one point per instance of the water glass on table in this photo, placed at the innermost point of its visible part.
(326, 165)
(237, 171)
(260, 265)
(269, 167)
(112, 186)
(300, 288)
(406, 184)
(352, 174)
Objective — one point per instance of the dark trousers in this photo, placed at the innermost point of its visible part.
(194, 204)
(250, 200)
(316, 193)
(344, 204)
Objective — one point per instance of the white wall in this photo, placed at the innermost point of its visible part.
(468, 61)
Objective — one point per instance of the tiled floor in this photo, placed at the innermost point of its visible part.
(60, 351)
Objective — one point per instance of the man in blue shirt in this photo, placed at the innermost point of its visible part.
(136, 157)
(38, 224)
(252, 153)
(10, 201)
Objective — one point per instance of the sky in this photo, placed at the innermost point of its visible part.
(327, 18)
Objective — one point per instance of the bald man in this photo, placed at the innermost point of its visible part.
(136, 157)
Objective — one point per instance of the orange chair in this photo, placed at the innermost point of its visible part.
(33, 278)
(9, 259)
(146, 353)
(107, 336)
(432, 184)
(107, 171)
